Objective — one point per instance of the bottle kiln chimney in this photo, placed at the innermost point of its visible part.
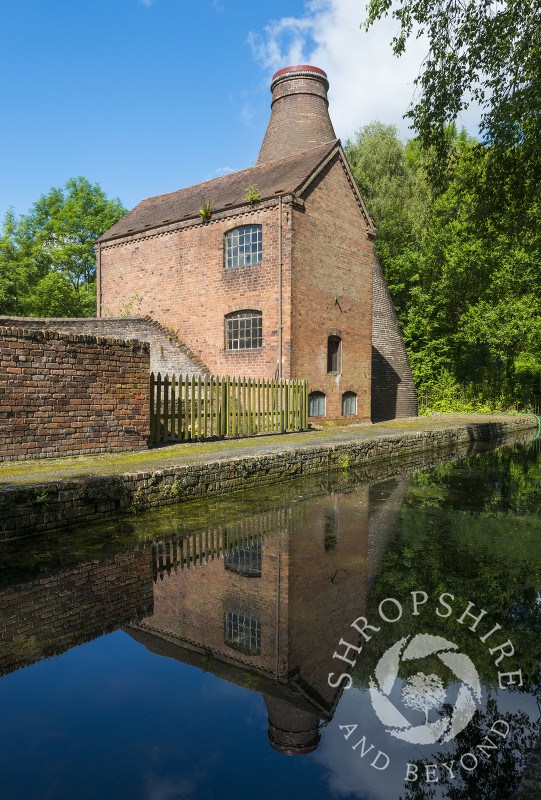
(299, 113)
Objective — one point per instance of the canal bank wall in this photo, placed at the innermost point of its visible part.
(46, 505)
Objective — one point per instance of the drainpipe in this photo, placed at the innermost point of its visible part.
(280, 325)
(99, 281)
(278, 608)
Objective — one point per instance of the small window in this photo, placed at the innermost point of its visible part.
(244, 330)
(243, 633)
(349, 403)
(316, 404)
(334, 353)
(244, 246)
(329, 532)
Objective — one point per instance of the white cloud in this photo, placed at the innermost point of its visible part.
(159, 787)
(219, 171)
(223, 171)
(247, 114)
(367, 81)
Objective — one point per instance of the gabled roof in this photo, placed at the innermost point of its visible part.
(278, 177)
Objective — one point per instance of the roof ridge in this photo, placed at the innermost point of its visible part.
(273, 178)
(239, 171)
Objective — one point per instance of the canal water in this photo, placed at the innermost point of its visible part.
(370, 635)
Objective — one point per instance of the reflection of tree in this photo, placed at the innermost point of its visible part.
(423, 692)
(496, 776)
(470, 529)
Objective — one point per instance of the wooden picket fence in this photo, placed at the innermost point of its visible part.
(186, 408)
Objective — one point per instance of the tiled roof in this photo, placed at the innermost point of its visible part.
(270, 179)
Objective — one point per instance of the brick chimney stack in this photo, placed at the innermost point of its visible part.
(299, 117)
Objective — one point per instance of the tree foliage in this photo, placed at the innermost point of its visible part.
(462, 262)
(47, 257)
(480, 51)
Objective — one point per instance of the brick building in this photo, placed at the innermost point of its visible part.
(279, 277)
(270, 597)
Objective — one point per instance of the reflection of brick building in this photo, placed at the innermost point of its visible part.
(265, 603)
(281, 277)
(54, 613)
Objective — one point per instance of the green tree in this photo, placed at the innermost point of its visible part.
(47, 257)
(473, 308)
(392, 179)
(480, 51)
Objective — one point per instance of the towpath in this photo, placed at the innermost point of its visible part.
(18, 473)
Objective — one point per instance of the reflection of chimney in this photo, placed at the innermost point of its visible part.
(299, 118)
(291, 730)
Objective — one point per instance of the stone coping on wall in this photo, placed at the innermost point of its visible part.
(37, 334)
(33, 501)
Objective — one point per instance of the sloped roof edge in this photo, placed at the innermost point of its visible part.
(227, 191)
(349, 175)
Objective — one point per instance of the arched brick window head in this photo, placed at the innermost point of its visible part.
(243, 246)
(334, 354)
(244, 330)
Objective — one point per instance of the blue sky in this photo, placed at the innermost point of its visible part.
(148, 96)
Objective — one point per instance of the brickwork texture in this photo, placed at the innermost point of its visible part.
(317, 244)
(393, 390)
(57, 612)
(68, 394)
(168, 355)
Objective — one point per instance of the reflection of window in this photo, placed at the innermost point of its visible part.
(349, 403)
(243, 633)
(334, 352)
(245, 560)
(243, 246)
(244, 330)
(316, 404)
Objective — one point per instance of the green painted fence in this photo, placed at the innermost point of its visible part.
(187, 408)
(237, 544)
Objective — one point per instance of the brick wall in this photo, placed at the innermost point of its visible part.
(49, 616)
(302, 614)
(167, 353)
(393, 389)
(180, 278)
(191, 605)
(64, 395)
(332, 291)
(334, 537)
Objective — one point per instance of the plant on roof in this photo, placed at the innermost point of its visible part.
(252, 194)
(205, 212)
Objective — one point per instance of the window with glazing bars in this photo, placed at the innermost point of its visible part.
(349, 403)
(244, 330)
(243, 632)
(244, 246)
(245, 560)
(316, 404)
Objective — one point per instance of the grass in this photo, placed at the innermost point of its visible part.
(200, 452)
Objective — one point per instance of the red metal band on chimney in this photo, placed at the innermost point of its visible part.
(299, 68)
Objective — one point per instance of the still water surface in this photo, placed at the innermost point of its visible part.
(207, 651)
